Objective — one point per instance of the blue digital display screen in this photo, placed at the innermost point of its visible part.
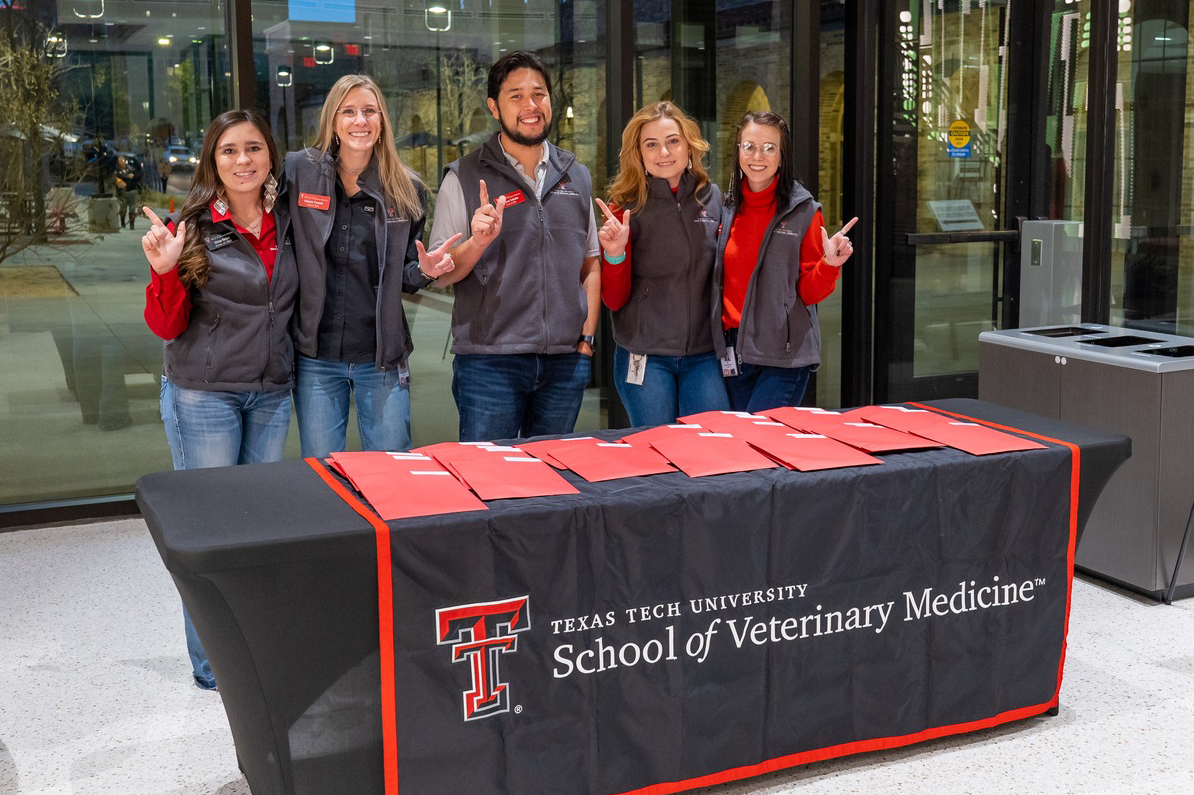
(323, 10)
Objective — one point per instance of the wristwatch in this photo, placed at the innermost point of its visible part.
(589, 338)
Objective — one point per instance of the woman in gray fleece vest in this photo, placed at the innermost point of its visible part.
(666, 208)
(222, 293)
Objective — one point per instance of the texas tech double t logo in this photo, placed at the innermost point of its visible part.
(480, 632)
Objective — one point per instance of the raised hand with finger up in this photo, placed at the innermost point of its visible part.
(613, 234)
(838, 248)
(487, 220)
(437, 262)
(163, 247)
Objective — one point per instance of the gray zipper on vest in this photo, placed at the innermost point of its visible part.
(543, 265)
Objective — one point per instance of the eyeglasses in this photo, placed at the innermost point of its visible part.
(349, 114)
(748, 148)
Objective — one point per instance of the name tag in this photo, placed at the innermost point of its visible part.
(314, 201)
(217, 242)
(729, 363)
(636, 369)
(514, 197)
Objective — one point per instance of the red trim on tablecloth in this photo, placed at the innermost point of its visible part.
(385, 625)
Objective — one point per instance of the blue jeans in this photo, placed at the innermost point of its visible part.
(759, 387)
(502, 396)
(215, 429)
(321, 392)
(673, 386)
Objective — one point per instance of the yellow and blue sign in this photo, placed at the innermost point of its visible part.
(958, 139)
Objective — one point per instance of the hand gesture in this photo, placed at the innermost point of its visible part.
(162, 247)
(613, 234)
(838, 248)
(438, 261)
(487, 220)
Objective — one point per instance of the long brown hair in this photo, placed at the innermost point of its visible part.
(193, 264)
(629, 188)
(396, 181)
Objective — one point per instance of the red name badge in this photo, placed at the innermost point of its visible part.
(514, 197)
(314, 201)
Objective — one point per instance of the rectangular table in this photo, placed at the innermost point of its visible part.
(648, 635)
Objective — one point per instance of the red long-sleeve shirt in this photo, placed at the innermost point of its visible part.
(816, 279)
(167, 300)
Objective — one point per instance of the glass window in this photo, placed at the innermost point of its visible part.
(102, 106)
(431, 60)
(831, 152)
(1152, 251)
(1065, 124)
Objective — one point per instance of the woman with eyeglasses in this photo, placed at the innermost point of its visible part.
(221, 294)
(666, 208)
(775, 262)
(358, 217)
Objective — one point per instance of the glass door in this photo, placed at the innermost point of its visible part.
(941, 229)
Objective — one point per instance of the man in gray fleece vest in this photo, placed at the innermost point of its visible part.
(527, 277)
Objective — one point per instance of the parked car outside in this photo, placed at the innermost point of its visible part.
(179, 158)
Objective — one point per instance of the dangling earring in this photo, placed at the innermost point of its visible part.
(269, 193)
(336, 140)
(221, 204)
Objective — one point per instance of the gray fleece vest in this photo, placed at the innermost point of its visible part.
(309, 189)
(777, 329)
(238, 336)
(673, 244)
(524, 294)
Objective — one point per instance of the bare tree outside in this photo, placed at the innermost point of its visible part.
(462, 86)
(34, 132)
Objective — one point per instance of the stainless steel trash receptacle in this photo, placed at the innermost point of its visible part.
(1134, 382)
(1050, 272)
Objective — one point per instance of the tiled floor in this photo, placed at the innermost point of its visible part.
(95, 693)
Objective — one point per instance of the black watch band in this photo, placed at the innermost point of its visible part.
(589, 338)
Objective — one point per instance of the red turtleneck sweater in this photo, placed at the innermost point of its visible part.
(816, 278)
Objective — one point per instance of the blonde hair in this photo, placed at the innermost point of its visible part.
(398, 183)
(629, 188)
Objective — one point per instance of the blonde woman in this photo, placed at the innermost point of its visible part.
(358, 217)
(665, 207)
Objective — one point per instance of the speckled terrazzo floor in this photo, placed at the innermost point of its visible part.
(95, 694)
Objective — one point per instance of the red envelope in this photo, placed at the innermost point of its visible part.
(355, 465)
(702, 454)
(809, 452)
(542, 450)
(864, 435)
(899, 417)
(969, 437)
(976, 439)
(717, 418)
(505, 475)
(876, 439)
(451, 453)
(418, 492)
(805, 419)
(644, 438)
(598, 461)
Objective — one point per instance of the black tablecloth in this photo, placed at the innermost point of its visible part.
(645, 631)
